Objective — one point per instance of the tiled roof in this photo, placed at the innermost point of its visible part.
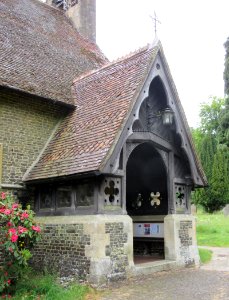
(103, 98)
(40, 51)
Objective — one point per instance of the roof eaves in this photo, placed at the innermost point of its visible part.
(16, 89)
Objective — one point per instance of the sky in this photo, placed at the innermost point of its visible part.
(192, 34)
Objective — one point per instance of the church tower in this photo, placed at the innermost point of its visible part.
(82, 13)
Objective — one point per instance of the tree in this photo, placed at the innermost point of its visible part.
(213, 155)
(219, 183)
(210, 114)
(226, 68)
(224, 118)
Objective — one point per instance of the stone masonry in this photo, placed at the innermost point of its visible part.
(62, 250)
(95, 248)
(115, 250)
(25, 126)
(180, 239)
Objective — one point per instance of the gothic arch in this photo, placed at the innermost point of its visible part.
(146, 175)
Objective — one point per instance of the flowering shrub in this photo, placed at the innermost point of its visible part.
(19, 233)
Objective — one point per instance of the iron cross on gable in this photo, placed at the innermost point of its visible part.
(155, 21)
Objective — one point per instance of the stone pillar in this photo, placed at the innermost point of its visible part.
(180, 239)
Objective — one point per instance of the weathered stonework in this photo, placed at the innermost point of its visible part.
(180, 239)
(115, 250)
(95, 248)
(26, 123)
(62, 250)
(186, 240)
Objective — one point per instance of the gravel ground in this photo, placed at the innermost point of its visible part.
(211, 283)
(187, 284)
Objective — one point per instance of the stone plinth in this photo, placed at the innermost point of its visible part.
(180, 239)
(95, 248)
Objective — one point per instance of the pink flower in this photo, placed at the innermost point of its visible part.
(12, 230)
(14, 238)
(3, 195)
(2, 210)
(9, 224)
(22, 229)
(24, 215)
(9, 281)
(7, 211)
(36, 228)
(15, 205)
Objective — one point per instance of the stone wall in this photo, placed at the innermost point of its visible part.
(26, 123)
(62, 250)
(95, 248)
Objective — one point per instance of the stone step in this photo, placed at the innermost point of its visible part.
(152, 267)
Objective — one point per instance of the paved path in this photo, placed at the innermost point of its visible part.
(220, 259)
(185, 284)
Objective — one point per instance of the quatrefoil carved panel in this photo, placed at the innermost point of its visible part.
(112, 191)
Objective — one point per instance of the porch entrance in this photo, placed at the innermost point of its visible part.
(147, 201)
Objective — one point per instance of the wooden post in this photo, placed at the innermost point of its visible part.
(171, 205)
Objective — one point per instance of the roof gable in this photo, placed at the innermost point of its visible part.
(159, 68)
(40, 51)
(108, 102)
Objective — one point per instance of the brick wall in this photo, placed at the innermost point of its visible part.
(25, 126)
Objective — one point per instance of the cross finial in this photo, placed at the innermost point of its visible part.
(155, 20)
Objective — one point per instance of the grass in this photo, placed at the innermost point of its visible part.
(205, 255)
(45, 287)
(212, 230)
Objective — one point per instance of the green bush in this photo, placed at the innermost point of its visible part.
(19, 234)
(205, 255)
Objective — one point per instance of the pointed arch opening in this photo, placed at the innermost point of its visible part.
(146, 176)
(147, 201)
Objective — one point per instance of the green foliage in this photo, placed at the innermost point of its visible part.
(205, 255)
(210, 115)
(20, 233)
(224, 125)
(212, 230)
(219, 181)
(226, 68)
(224, 119)
(45, 287)
(213, 155)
